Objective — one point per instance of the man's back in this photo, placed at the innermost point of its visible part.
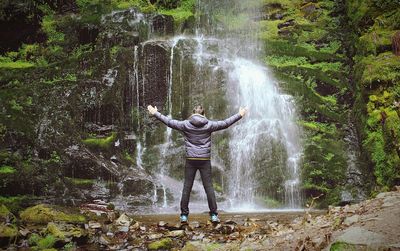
(197, 130)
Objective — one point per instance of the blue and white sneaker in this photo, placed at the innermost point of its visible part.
(184, 218)
(214, 218)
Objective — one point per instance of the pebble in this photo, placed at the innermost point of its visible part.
(162, 224)
(176, 233)
(155, 236)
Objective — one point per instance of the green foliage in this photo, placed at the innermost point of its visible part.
(371, 42)
(16, 203)
(342, 246)
(382, 136)
(49, 26)
(381, 69)
(41, 243)
(318, 127)
(182, 13)
(7, 170)
(101, 143)
(324, 163)
(7, 63)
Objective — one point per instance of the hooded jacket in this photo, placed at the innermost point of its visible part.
(197, 130)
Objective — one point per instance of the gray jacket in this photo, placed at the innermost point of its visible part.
(197, 130)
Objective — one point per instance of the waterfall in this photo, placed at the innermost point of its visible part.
(269, 131)
(221, 69)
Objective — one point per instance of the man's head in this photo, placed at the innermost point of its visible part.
(198, 109)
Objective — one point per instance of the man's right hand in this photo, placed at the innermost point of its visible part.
(242, 111)
(152, 110)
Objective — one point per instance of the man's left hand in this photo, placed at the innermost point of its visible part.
(152, 110)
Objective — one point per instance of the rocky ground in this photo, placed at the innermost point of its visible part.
(370, 225)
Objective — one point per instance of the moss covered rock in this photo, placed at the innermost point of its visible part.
(42, 214)
(162, 244)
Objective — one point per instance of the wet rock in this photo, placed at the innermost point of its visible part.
(135, 226)
(94, 225)
(104, 240)
(391, 201)
(194, 224)
(162, 24)
(124, 229)
(162, 224)
(351, 220)
(136, 186)
(176, 233)
(155, 236)
(358, 235)
(198, 236)
(164, 244)
(124, 220)
(234, 235)
(90, 165)
(155, 63)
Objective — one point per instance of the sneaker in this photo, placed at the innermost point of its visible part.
(214, 218)
(184, 218)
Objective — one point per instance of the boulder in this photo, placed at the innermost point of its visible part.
(42, 214)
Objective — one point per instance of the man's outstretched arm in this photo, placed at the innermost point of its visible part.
(223, 124)
(175, 124)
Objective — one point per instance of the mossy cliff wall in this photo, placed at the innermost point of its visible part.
(338, 59)
(69, 117)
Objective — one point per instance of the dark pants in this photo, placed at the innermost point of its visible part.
(190, 173)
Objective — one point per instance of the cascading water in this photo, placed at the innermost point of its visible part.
(220, 69)
(269, 129)
(270, 120)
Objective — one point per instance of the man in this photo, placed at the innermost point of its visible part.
(197, 130)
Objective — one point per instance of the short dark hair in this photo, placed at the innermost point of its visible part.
(198, 109)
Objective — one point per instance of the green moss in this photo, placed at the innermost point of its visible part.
(165, 243)
(4, 212)
(269, 29)
(101, 143)
(14, 64)
(384, 68)
(49, 27)
(7, 170)
(213, 246)
(83, 183)
(46, 242)
(55, 231)
(43, 214)
(328, 72)
(284, 47)
(342, 246)
(69, 77)
(16, 203)
(8, 231)
(371, 42)
(319, 127)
